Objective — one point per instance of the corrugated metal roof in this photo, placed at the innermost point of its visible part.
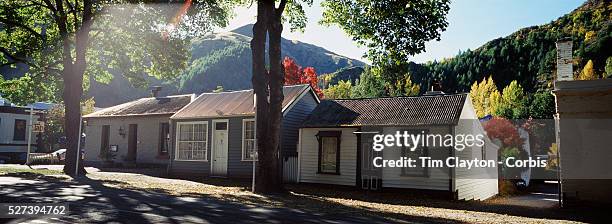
(145, 106)
(235, 103)
(422, 110)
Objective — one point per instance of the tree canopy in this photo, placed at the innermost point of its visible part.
(391, 30)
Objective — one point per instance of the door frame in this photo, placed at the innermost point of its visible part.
(212, 144)
(133, 135)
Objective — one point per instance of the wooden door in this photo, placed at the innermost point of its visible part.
(132, 142)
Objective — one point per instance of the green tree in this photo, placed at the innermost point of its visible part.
(391, 30)
(69, 40)
(342, 90)
(588, 72)
(26, 89)
(513, 102)
(369, 85)
(542, 106)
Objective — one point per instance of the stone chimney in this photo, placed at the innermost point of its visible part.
(155, 91)
(436, 88)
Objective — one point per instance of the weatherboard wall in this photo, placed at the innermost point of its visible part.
(309, 157)
(292, 120)
(148, 133)
(477, 183)
(235, 166)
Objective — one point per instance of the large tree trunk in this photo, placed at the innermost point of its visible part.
(268, 88)
(73, 85)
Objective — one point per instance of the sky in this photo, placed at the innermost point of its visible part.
(471, 24)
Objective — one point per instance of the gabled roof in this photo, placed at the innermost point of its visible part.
(236, 103)
(167, 105)
(401, 111)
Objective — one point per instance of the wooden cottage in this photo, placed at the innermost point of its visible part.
(136, 132)
(215, 134)
(336, 145)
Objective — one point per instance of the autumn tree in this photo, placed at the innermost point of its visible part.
(505, 131)
(588, 72)
(342, 90)
(295, 75)
(513, 104)
(485, 97)
(69, 40)
(404, 87)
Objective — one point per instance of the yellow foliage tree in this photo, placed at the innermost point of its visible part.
(485, 97)
(588, 73)
(342, 90)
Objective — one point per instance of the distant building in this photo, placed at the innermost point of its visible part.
(14, 129)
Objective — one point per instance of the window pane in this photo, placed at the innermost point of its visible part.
(19, 132)
(221, 126)
(192, 142)
(328, 154)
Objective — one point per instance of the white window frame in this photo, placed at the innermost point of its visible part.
(176, 148)
(244, 140)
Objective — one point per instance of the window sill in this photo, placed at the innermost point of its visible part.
(190, 160)
(248, 160)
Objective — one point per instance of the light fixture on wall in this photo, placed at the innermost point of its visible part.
(122, 131)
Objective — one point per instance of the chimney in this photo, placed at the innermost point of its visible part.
(155, 91)
(436, 88)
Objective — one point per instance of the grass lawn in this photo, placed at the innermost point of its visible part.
(7, 170)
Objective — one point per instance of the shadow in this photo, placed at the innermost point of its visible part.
(96, 201)
(415, 198)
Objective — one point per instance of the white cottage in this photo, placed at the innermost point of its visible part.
(336, 141)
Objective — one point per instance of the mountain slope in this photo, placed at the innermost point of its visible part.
(528, 55)
(222, 59)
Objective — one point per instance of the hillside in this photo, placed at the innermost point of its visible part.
(529, 54)
(222, 59)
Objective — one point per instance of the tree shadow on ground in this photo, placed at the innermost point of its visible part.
(412, 198)
(95, 201)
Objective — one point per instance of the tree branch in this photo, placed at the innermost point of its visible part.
(29, 29)
(281, 8)
(73, 10)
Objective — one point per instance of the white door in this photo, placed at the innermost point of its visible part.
(220, 147)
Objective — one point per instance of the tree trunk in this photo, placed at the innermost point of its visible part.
(73, 85)
(267, 85)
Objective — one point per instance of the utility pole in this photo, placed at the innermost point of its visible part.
(30, 134)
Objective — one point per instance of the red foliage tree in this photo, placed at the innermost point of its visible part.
(295, 75)
(504, 130)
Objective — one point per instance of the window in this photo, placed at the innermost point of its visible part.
(329, 152)
(192, 139)
(20, 130)
(164, 138)
(249, 142)
(418, 170)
